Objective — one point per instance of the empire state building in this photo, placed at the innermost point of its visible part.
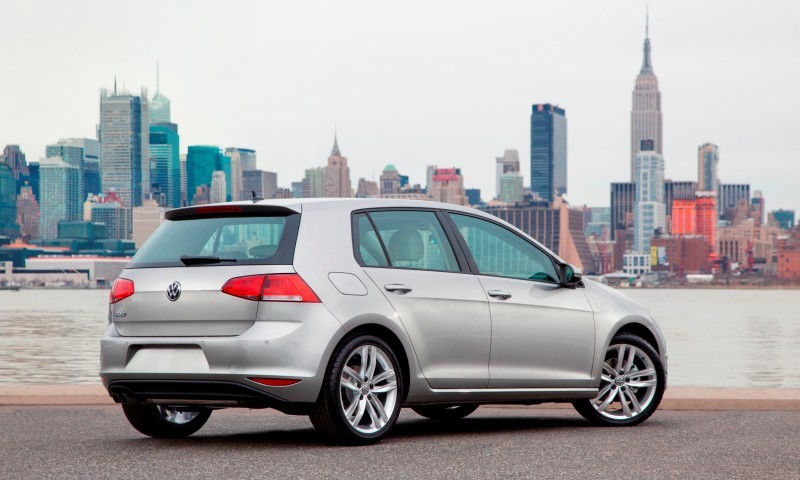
(646, 122)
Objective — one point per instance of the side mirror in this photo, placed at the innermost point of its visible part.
(570, 276)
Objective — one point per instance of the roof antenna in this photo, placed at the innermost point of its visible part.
(256, 198)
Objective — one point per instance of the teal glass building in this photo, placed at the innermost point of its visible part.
(201, 162)
(8, 201)
(59, 189)
(165, 167)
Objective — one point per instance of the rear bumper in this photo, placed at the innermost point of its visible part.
(194, 392)
(219, 368)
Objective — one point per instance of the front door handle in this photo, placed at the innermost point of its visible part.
(397, 288)
(501, 294)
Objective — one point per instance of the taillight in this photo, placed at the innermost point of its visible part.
(245, 287)
(284, 287)
(122, 288)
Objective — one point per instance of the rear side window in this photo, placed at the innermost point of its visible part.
(369, 247)
(234, 240)
(413, 239)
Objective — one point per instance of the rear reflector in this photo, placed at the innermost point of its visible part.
(283, 287)
(218, 209)
(275, 382)
(122, 288)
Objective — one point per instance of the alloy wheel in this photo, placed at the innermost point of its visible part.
(628, 383)
(368, 389)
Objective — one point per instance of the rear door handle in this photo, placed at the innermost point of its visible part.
(501, 294)
(397, 288)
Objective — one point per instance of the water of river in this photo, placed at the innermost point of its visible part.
(715, 338)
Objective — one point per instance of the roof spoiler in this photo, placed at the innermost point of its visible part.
(228, 210)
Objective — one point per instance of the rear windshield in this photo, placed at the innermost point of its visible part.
(220, 241)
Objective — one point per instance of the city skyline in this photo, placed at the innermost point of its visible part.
(417, 122)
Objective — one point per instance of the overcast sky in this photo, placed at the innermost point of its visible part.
(415, 83)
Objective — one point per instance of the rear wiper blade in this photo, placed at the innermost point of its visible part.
(201, 260)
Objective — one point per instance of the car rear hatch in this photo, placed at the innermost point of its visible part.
(178, 275)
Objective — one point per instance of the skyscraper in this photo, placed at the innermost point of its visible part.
(15, 159)
(159, 108)
(247, 157)
(448, 187)
(201, 162)
(678, 190)
(124, 138)
(78, 152)
(548, 151)
(314, 182)
(242, 160)
(707, 218)
(508, 163)
(165, 158)
(263, 184)
(707, 163)
(728, 197)
(623, 199)
(511, 188)
(59, 190)
(650, 211)
(218, 192)
(337, 174)
(27, 213)
(646, 119)
(389, 180)
(8, 200)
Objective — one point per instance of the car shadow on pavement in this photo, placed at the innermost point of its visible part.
(411, 427)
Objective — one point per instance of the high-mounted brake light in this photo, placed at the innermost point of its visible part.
(218, 209)
(122, 288)
(283, 287)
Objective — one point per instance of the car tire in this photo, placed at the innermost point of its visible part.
(159, 421)
(632, 384)
(362, 392)
(445, 412)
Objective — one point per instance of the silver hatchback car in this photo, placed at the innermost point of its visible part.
(347, 310)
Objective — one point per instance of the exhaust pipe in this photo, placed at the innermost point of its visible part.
(123, 398)
(115, 397)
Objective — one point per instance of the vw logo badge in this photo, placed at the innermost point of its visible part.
(174, 291)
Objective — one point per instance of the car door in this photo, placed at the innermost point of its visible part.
(441, 305)
(542, 333)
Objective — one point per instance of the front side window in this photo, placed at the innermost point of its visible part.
(412, 239)
(502, 253)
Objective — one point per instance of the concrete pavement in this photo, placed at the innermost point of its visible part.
(676, 398)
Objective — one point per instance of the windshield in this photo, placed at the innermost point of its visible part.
(227, 240)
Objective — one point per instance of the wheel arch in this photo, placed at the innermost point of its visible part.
(388, 336)
(640, 330)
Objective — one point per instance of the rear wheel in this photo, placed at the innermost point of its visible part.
(631, 387)
(445, 412)
(361, 393)
(164, 421)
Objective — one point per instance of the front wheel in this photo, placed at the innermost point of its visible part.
(361, 393)
(445, 412)
(631, 387)
(165, 421)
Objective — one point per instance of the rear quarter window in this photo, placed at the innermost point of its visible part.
(239, 240)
